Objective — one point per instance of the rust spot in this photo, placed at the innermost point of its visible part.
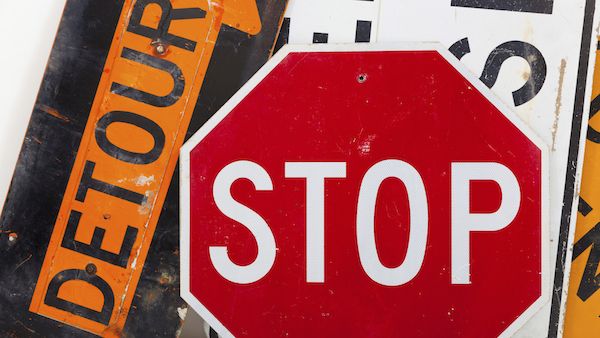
(558, 104)
(113, 331)
(12, 237)
(91, 269)
(150, 298)
(106, 216)
(52, 111)
(165, 278)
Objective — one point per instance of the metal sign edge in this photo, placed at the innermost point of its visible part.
(568, 220)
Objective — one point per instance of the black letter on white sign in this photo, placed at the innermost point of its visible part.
(499, 55)
(531, 6)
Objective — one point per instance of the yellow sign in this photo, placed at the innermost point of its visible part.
(154, 71)
(582, 317)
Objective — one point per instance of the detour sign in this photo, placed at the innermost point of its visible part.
(143, 105)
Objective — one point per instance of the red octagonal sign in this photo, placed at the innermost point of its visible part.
(364, 191)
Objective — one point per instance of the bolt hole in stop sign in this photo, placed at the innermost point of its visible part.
(364, 191)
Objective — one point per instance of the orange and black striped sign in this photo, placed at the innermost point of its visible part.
(156, 66)
(582, 318)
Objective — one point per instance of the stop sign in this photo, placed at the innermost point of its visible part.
(364, 191)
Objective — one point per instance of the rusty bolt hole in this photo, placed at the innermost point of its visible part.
(361, 78)
(159, 47)
(106, 216)
(12, 237)
(91, 269)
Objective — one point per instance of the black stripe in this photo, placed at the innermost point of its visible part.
(460, 48)
(284, 35)
(363, 31)
(531, 6)
(584, 208)
(320, 37)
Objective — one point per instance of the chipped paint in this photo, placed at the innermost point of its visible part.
(364, 147)
(144, 180)
(182, 312)
(12, 237)
(52, 112)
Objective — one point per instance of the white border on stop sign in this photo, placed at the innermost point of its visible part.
(355, 47)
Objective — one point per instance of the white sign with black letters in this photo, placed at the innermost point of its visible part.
(536, 55)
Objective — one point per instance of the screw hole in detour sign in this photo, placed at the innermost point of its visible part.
(364, 191)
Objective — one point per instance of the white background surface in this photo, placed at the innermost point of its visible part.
(29, 28)
(28, 32)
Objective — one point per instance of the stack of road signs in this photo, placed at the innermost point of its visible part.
(385, 187)
(90, 226)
